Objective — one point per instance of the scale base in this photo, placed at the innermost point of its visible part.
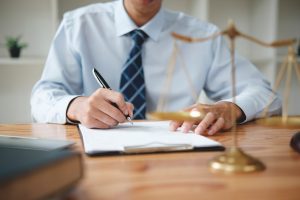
(234, 160)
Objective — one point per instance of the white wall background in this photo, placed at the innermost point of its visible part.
(36, 21)
(31, 19)
(16, 82)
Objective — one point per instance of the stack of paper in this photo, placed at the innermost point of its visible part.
(143, 137)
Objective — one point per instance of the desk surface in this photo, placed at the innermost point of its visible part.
(183, 175)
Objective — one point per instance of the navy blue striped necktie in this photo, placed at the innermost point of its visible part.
(132, 84)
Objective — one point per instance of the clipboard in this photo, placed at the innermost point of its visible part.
(143, 138)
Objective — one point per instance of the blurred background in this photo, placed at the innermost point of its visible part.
(36, 22)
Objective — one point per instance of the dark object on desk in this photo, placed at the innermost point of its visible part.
(27, 173)
(298, 52)
(295, 142)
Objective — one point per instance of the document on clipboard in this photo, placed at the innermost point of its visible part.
(143, 137)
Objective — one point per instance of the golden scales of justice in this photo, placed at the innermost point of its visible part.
(234, 159)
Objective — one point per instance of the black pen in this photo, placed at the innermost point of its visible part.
(104, 84)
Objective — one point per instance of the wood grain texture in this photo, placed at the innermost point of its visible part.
(183, 175)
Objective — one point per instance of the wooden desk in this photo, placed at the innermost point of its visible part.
(184, 175)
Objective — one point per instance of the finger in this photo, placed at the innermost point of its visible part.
(205, 123)
(130, 109)
(91, 122)
(101, 104)
(104, 118)
(187, 126)
(118, 99)
(174, 125)
(112, 111)
(218, 125)
(97, 102)
(112, 97)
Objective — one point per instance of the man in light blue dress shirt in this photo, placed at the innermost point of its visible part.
(97, 36)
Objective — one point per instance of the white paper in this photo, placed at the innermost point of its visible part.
(154, 133)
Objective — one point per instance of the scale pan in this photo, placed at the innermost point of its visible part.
(178, 116)
(279, 121)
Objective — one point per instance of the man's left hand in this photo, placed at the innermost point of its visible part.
(217, 117)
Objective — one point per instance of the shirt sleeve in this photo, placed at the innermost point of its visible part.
(253, 91)
(61, 79)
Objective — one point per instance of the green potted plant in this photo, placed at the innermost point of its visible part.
(14, 46)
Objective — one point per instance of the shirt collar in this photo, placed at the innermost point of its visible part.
(124, 23)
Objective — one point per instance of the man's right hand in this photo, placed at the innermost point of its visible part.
(97, 111)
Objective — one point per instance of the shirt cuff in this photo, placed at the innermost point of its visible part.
(69, 121)
(61, 107)
(250, 108)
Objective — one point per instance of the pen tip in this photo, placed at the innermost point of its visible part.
(129, 119)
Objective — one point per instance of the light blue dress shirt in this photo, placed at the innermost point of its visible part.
(94, 36)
